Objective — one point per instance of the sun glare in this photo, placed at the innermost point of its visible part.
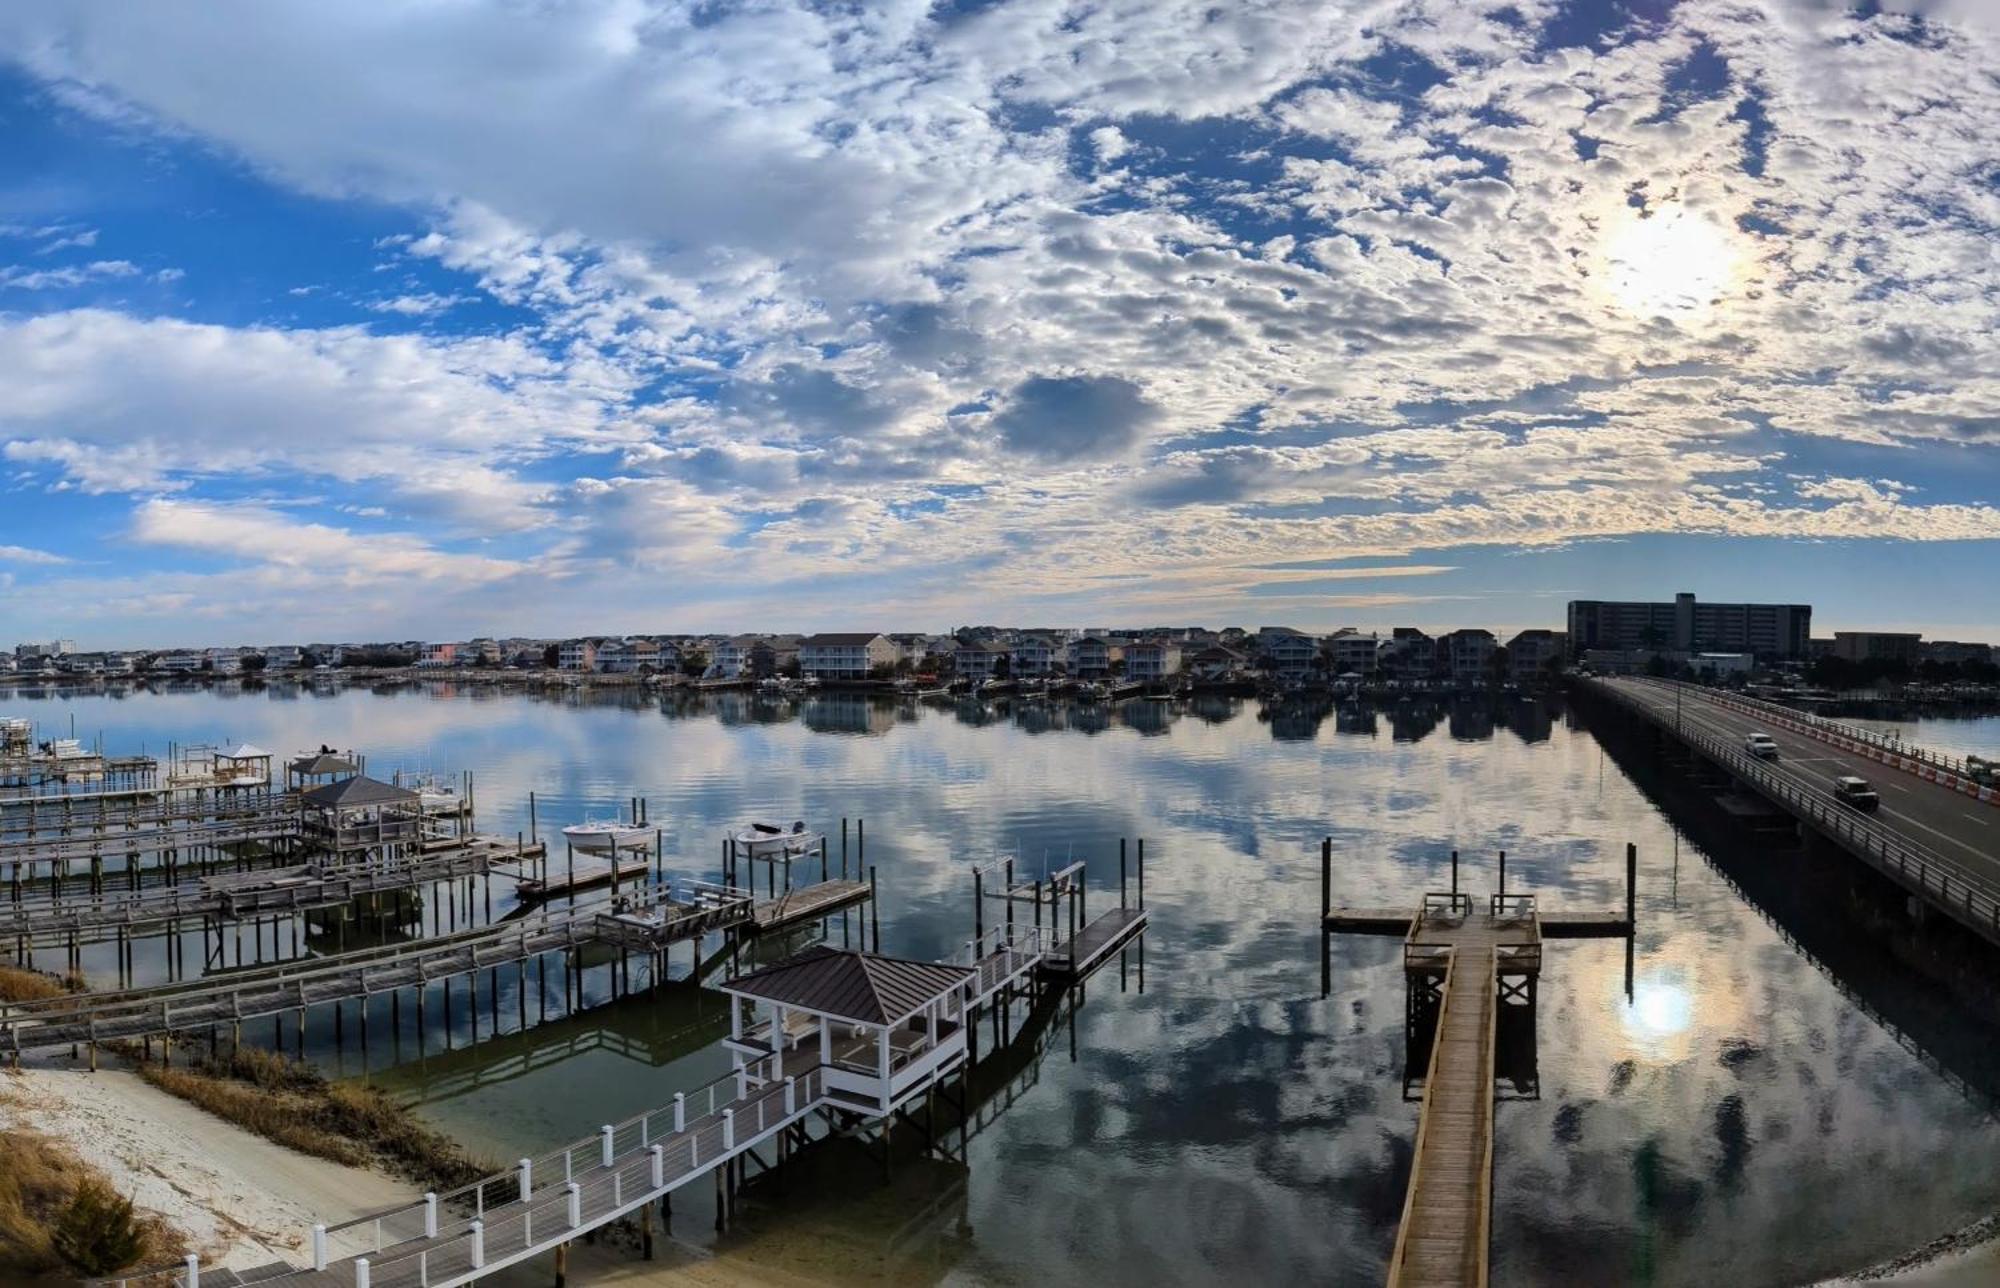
(1671, 261)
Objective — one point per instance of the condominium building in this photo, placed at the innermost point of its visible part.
(1877, 646)
(1688, 626)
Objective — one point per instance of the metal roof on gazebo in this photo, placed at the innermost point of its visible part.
(848, 985)
(357, 792)
(322, 764)
(245, 751)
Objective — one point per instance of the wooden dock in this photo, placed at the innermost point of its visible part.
(1447, 1211)
(1463, 963)
(1093, 945)
(807, 903)
(585, 876)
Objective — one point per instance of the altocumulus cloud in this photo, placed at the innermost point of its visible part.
(1074, 418)
(834, 303)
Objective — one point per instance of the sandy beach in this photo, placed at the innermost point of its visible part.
(240, 1200)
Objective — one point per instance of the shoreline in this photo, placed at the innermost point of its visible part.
(239, 1200)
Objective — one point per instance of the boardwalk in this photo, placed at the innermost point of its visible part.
(1447, 1211)
(1089, 947)
(807, 903)
(275, 891)
(224, 1001)
(1937, 842)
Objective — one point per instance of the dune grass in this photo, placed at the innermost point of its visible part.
(61, 1220)
(294, 1105)
(18, 985)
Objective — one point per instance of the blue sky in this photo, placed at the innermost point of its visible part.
(447, 319)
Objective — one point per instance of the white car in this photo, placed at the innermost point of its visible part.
(1761, 745)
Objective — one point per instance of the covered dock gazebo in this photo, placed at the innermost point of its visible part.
(884, 1028)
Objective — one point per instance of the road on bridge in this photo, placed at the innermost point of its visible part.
(1956, 827)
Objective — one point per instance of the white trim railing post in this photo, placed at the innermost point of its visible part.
(605, 1133)
(319, 1247)
(742, 1081)
(791, 1098)
(617, 1190)
(659, 1153)
(361, 1272)
(193, 1271)
(575, 1205)
(430, 1216)
(527, 1178)
(680, 1112)
(478, 1245)
(729, 1129)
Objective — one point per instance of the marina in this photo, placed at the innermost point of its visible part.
(436, 991)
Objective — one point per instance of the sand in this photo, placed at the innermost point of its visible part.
(240, 1200)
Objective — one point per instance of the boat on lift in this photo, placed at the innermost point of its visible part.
(769, 841)
(602, 837)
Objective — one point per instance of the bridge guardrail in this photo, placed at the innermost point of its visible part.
(1946, 771)
(1972, 901)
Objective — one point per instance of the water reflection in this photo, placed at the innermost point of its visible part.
(1783, 1096)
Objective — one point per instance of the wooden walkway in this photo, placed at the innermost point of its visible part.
(229, 896)
(807, 903)
(224, 1001)
(1447, 1222)
(1095, 943)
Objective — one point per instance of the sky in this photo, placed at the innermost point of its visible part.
(457, 318)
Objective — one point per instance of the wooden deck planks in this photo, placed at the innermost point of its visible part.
(1444, 1231)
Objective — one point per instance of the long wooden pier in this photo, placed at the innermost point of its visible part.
(1462, 965)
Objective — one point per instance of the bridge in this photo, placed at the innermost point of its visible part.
(1936, 834)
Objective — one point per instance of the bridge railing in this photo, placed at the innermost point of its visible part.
(1938, 879)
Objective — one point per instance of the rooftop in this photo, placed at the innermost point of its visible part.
(848, 985)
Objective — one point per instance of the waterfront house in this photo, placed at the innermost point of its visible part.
(577, 655)
(977, 660)
(1091, 656)
(1408, 655)
(283, 657)
(439, 655)
(1151, 661)
(179, 661)
(1285, 652)
(225, 661)
(1468, 655)
(482, 652)
(845, 656)
(1215, 664)
(1532, 653)
(1353, 652)
(1032, 656)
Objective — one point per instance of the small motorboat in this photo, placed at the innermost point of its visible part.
(769, 841)
(603, 838)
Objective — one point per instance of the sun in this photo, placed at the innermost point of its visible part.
(1669, 262)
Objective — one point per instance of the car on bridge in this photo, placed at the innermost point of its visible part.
(1855, 793)
(1761, 745)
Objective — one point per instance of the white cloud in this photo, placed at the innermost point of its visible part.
(909, 291)
(44, 279)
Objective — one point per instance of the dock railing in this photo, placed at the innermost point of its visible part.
(691, 1124)
(999, 955)
(1971, 900)
(1402, 1249)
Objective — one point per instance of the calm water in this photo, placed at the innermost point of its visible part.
(1747, 1115)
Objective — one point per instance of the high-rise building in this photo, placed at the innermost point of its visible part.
(1689, 626)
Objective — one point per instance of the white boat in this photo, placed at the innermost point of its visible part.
(769, 841)
(603, 838)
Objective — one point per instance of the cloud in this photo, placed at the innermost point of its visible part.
(1074, 418)
(28, 555)
(45, 279)
(903, 293)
